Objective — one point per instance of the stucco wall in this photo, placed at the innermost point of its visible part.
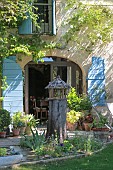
(82, 58)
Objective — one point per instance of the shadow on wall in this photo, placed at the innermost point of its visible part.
(96, 82)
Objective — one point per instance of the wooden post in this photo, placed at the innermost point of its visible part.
(57, 119)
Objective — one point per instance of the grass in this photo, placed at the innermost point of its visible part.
(99, 161)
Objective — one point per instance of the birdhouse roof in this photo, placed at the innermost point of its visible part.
(57, 83)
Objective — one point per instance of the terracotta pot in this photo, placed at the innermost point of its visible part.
(28, 130)
(2, 134)
(22, 130)
(87, 126)
(16, 132)
(100, 129)
(71, 126)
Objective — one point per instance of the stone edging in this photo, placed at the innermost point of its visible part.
(9, 160)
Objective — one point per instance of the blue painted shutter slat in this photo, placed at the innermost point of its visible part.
(53, 18)
(25, 27)
(96, 81)
(13, 95)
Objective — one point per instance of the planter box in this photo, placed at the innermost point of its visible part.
(100, 129)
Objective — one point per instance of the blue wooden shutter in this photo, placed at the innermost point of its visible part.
(13, 95)
(26, 26)
(96, 82)
(53, 17)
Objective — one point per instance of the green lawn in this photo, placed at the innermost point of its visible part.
(100, 161)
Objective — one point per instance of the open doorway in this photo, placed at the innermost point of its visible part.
(38, 76)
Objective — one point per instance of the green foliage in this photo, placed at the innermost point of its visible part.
(4, 83)
(85, 103)
(100, 161)
(79, 106)
(31, 121)
(34, 142)
(96, 21)
(18, 119)
(52, 148)
(86, 144)
(3, 151)
(11, 43)
(5, 119)
(73, 116)
(100, 122)
(67, 146)
(73, 100)
(78, 103)
(12, 14)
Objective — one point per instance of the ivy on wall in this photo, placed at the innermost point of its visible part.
(11, 43)
(12, 13)
(88, 24)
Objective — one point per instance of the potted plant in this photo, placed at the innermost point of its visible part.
(88, 121)
(18, 121)
(85, 103)
(5, 121)
(22, 123)
(99, 123)
(72, 119)
(31, 122)
(79, 104)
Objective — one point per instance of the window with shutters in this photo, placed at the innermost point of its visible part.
(44, 12)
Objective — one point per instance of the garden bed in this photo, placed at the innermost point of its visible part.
(78, 144)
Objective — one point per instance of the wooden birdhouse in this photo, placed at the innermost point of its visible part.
(57, 108)
(57, 89)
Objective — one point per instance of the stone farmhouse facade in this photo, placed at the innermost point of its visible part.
(88, 73)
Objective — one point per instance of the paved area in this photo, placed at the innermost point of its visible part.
(14, 140)
(10, 141)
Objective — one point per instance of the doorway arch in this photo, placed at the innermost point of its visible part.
(38, 75)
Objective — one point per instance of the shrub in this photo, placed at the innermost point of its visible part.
(35, 141)
(5, 119)
(31, 121)
(78, 103)
(3, 151)
(16, 119)
(73, 100)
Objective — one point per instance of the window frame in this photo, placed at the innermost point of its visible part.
(45, 27)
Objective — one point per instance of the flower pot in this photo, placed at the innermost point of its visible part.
(100, 129)
(28, 130)
(2, 134)
(87, 126)
(71, 126)
(22, 130)
(16, 132)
